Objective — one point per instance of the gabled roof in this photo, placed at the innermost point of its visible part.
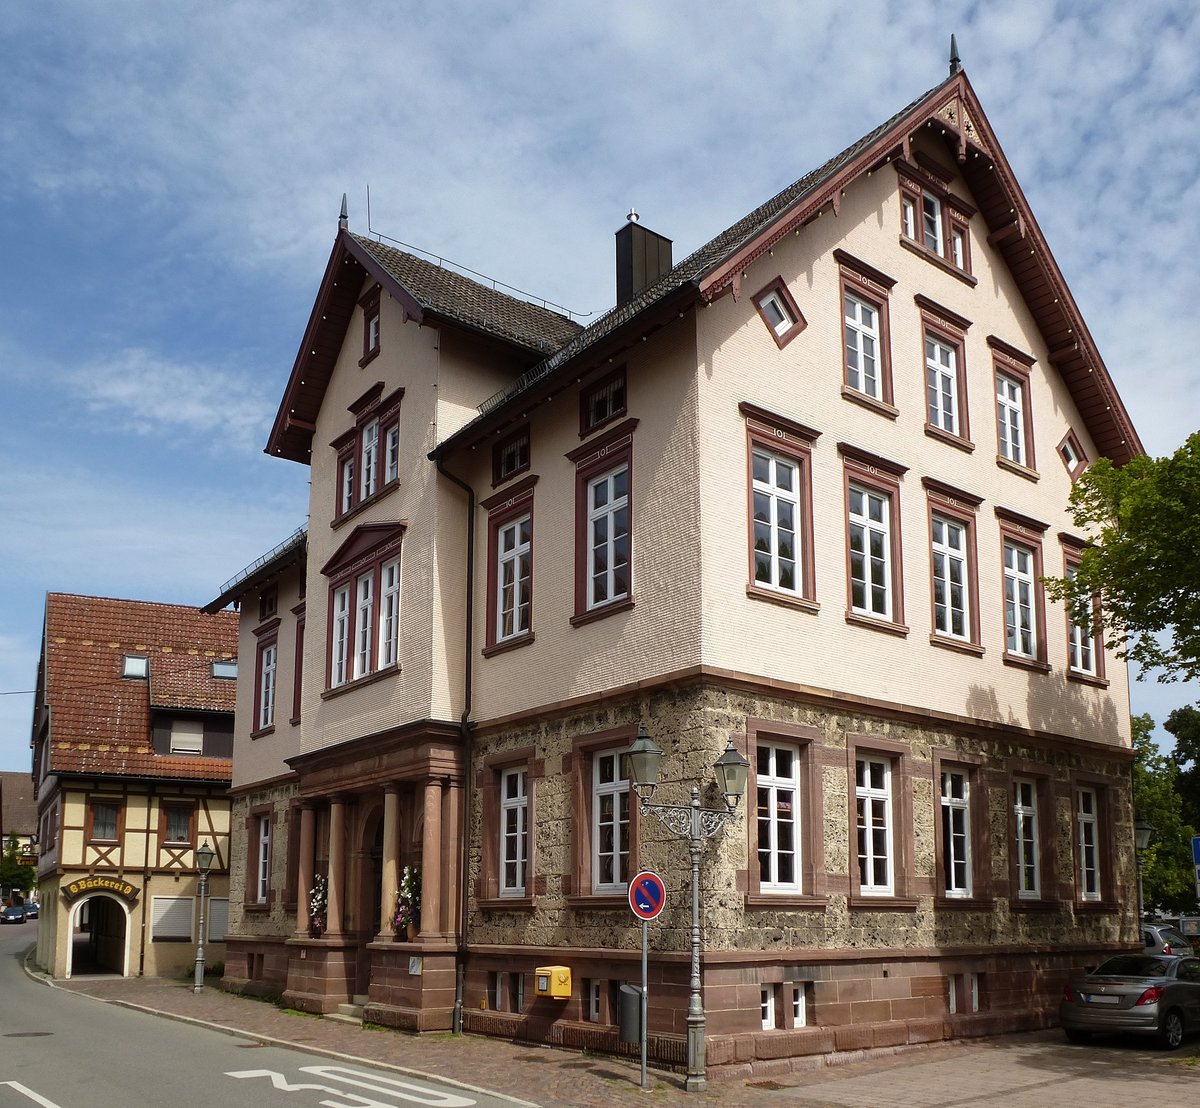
(427, 292)
(953, 111)
(100, 721)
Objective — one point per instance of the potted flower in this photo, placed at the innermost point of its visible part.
(407, 920)
(318, 903)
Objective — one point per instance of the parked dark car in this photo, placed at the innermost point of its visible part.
(1162, 938)
(13, 913)
(31, 910)
(1146, 994)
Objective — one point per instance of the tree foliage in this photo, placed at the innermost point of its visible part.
(1168, 881)
(1184, 724)
(1144, 566)
(13, 875)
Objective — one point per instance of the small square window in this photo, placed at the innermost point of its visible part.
(136, 666)
(225, 669)
(602, 402)
(510, 456)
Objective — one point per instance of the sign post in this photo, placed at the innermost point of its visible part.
(1196, 861)
(647, 898)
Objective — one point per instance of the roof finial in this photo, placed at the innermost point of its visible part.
(955, 60)
(344, 218)
(633, 217)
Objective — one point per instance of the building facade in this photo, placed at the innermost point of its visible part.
(798, 492)
(132, 744)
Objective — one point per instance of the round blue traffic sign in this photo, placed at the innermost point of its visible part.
(647, 895)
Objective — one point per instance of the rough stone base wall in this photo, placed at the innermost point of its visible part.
(255, 967)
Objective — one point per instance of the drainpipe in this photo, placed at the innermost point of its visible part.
(465, 731)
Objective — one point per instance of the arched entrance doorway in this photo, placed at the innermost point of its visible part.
(99, 937)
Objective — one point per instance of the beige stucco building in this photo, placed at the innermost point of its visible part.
(798, 492)
(132, 743)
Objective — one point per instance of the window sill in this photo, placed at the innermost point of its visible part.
(1017, 468)
(874, 623)
(961, 646)
(599, 613)
(923, 251)
(507, 644)
(360, 682)
(764, 901)
(294, 721)
(1087, 679)
(607, 421)
(601, 902)
(505, 904)
(1097, 906)
(368, 357)
(882, 407)
(957, 441)
(785, 599)
(861, 903)
(262, 732)
(256, 907)
(363, 505)
(963, 903)
(1017, 904)
(1035, 664)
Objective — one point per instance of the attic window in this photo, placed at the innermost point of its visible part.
(225, 669)
(510, 456)
(779, 312)
(934, 222)
(602, 402)
(1072, 455)
(370, 307)
(136, 666)
(268, 602)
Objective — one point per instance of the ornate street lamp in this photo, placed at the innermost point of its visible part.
(204, 861)
(643, 760)
(1143, 832)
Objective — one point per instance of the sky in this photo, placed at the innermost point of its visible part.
(171, 177)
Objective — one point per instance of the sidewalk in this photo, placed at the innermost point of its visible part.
(1028, 1069)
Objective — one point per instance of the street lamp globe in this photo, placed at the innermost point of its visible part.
(204, 857)
(644, 757)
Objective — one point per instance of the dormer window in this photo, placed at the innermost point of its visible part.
(779, 312)
(370, 307)
(136, 666)
(602, 402)
(187, 736)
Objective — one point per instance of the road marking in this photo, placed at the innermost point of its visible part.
(359, 1079)
(30, 1093)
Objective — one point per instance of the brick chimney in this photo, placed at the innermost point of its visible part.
(642, 258)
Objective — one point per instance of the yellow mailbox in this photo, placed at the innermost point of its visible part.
(553, 981)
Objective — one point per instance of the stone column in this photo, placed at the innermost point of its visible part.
(452, 831)
(337, 862)
(391, 858)
(432, 915)
(308, 826)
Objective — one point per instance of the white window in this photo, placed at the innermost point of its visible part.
(958, 247)
(266, 685)
(1071, 455)
(370, 459)
(1018, 601)
(608, 537)
(514, 833)
(340, 644)
(862, 346)
(514, 569)
(1081, 645)
(931, 223)
(870, 553)
(171, 918)
(364, 620)
(373, 332)
(591, 1001)
(776, 312)
(776, 491)
(135, 665)
(941, 384)
(187, 736)
(799, 1006)
(389, 613)
(1028, 863)
(873, 801)
(1087, 833)
(610, 824)
(778, 783)
(951, 613)
(956, 833)
(1010, 418)
(262, 880)
(225, 670)
(767, 1007)
(392, 454)
(346, 497)
(908, 217)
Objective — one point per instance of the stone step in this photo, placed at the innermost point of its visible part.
(347, 1013)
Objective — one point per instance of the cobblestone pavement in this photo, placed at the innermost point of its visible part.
(1038, 1068)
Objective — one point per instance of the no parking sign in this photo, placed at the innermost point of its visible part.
(647, 895)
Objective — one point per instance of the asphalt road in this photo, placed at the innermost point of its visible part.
(63, 1050)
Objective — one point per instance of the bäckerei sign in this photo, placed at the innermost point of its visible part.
(117, 886)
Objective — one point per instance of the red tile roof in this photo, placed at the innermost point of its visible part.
(99, 720)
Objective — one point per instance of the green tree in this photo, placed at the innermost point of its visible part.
(1168, 881)
(13, 875)
(1184, 724)
(1144, 566)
